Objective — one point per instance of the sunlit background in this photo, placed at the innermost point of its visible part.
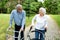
(31, 7)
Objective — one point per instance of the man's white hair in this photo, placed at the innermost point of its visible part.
(18, 5)
(43, 10)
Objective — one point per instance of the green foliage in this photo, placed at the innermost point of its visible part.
(32, 6)
(51, 6)
(2, 3)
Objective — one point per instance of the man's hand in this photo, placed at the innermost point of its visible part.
(21, 29)
(10, 27)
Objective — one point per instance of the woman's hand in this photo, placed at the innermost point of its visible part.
(45, 29)
(31, 27)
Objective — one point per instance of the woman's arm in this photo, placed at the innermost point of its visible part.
(46, 25)
(33, 20)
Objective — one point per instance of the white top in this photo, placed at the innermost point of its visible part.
(39, 22)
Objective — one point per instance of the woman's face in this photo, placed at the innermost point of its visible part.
(41, 13)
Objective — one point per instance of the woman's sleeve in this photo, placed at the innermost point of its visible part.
(46, 23)
(33, 20)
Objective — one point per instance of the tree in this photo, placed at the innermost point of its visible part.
(32, 6)
(2, 3)
(51, 6)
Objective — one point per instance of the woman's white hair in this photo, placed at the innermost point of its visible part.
(43, 10)
(18, 5)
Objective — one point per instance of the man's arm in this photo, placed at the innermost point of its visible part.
(11, 19)
(24, 19)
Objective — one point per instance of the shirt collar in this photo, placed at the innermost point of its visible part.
(19, 12)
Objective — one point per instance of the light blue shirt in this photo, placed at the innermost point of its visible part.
(18, 17)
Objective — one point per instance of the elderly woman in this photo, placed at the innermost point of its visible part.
(40, 23)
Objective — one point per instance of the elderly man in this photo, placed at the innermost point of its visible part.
(19, 16)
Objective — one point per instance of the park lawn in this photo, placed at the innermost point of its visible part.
(4, 23)
(57, 19)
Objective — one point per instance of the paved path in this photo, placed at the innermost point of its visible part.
(52, 33)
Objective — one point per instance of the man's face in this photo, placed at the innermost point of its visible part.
(19, 9)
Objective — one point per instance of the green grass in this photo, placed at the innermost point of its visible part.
(56, 18)
(4, 23)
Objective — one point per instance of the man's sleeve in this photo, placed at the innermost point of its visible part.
(24, 19)
(11, 18)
